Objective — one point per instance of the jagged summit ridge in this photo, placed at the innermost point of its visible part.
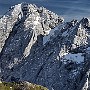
(20, 28)
(37, 46)
(31, 16)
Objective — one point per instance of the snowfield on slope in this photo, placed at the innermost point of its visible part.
(78, 58)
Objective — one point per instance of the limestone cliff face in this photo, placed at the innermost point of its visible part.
(37, 46)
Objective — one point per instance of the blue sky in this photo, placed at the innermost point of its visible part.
(66, 8)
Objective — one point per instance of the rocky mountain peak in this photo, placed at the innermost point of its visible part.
(27, 17)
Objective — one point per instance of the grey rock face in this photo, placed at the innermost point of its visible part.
(37, 46)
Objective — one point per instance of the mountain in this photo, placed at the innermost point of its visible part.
(37, 46)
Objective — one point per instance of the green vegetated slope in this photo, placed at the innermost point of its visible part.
(20, 86)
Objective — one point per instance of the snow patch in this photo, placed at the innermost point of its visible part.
(65, 33)
(75, 57)
(36, 21)
(50, 33)
(88, 48)
(16, 10)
